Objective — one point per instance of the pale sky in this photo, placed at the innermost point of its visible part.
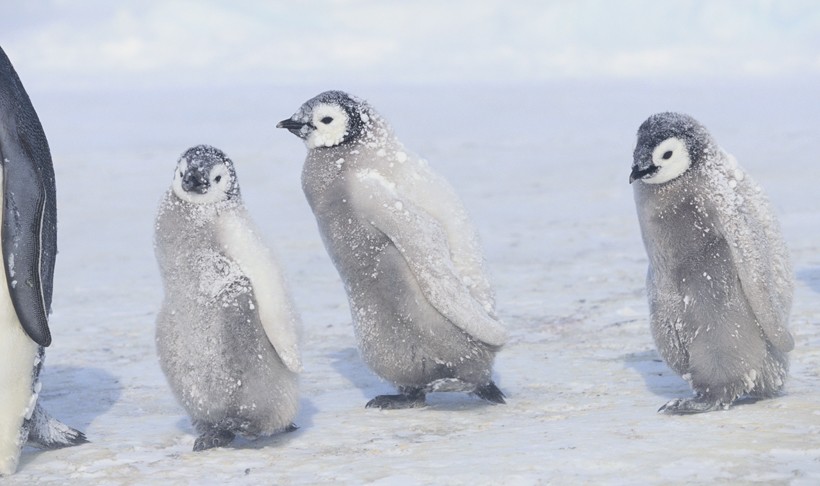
(429, 41)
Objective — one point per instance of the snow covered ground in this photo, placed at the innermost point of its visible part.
(543, 169)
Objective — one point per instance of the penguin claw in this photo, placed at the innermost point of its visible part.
(689, 406)
(212, 439)
(46, 432)
(491, 393)
(396, 402)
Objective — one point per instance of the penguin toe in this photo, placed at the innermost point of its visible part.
(212, 439)
(396, 402)
(689, 406)
(491, 393)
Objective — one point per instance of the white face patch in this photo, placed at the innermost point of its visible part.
(219, 180)
(672, 159)
(331, 122)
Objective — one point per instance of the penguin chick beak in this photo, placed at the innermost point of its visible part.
(192, 183)
(639, 173)
(295, 127)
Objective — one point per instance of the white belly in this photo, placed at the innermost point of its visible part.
(17, 359)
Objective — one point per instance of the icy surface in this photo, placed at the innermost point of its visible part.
(543, 171)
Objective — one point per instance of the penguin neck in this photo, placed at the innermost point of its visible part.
(325, 166)
(202, 214)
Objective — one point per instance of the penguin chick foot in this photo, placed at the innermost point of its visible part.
(689, 406)
(490, 392)
(213, 438)
(395, 402)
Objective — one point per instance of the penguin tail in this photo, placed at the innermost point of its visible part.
(46, 432)
(490, 392)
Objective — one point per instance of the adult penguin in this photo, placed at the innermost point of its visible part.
(29, 245)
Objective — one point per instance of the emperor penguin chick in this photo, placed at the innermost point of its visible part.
(719, 282)
(227, 334)
(422, 306)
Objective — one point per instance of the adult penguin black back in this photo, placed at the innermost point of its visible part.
(29, 247)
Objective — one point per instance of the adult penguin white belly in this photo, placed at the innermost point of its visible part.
(29, 245)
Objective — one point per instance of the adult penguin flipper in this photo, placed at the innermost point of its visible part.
(29, 229)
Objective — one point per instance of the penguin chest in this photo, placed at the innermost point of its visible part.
(18, 361)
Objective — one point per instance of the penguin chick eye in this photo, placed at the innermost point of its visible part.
(326, 120)
(217, 179)
(667, 155)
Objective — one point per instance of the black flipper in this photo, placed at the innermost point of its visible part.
(29, 228)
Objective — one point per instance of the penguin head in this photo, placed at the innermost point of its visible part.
(669, 144)
(329, 119)
(205, 175)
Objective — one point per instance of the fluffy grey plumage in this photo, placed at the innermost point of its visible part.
(422, 307)
(226, 333)
(29, 248)
(719, 282)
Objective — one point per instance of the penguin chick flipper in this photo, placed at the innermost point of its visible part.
(690, 406)
(46, 432)
(29, 230)
(761, 259)
(241, 241)
(213, 438)
(423, 243)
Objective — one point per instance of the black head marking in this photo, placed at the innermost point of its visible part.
(196, 177)
(302, 125)
(353, 107)
(662, 126)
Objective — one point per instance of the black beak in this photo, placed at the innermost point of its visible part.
(638, 173)
(290, 124)
(194, 183)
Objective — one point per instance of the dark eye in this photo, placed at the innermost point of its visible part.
(667, 155)
(181, 174)
(326, 120)
(217, 179)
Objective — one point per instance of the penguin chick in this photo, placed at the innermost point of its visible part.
(226, 334)
(422, 307)
(28, 208)
(719, 282)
